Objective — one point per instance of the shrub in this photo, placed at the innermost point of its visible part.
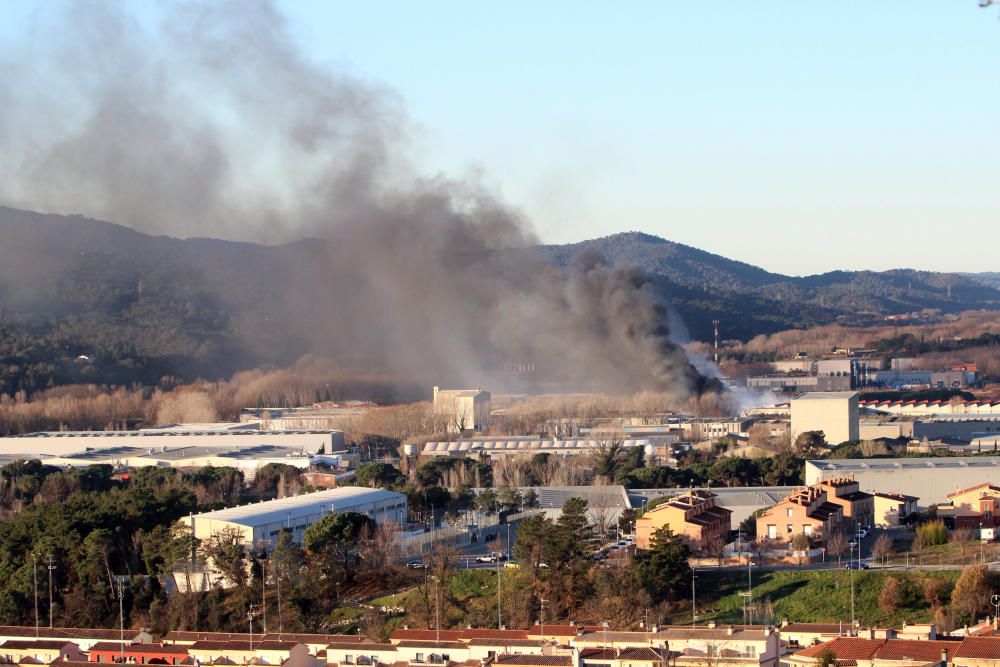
(931, 533)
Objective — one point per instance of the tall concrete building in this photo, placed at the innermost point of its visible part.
(465, 409)
(833, 412)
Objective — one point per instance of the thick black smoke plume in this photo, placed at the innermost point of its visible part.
(210, 122)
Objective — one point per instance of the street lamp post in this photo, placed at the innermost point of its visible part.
(982, 553)
(694, 616)
(499, 616)
(52, 566)
(34, 579)
(853, 544)
(541, 617)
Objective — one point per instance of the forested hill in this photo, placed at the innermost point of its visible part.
(749, 300)
(89, 301)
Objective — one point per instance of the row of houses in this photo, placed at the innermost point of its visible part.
(557, 645)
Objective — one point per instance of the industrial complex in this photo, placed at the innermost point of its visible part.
(264, 521)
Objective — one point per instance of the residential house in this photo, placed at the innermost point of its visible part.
(695, 516)
(637, 656)
(972, 507)
(82, 637)
(534, 661)
(747, 646)
(806, 634)
(858, 507)
(804, 511)
(158, 654)
(241, 652)
(892, 509)
(559, 634)
(361, 653)
(864, 652)
(42, 651)
(977, 652)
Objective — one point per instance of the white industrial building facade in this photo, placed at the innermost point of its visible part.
(262, 523)
(833, 412)
(929, 479)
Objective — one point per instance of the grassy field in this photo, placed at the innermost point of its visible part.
(812, 596)
(804, 596)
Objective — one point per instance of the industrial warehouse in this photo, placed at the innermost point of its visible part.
(263, 522)
(929, 479)
(60, 443)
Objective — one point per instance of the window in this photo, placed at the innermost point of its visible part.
(808, 530)
(713, 650)
(349, 659)
(772, 531)
(789, 511)
(419, 658)
(789, 528)
(750, 651)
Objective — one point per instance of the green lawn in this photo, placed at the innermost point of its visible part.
(811, 596)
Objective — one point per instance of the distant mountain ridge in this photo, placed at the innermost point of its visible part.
(140, 306)
(750, 300)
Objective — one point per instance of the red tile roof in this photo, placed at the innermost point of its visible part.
(847, 648)
(427, 635)
(139, 648)
(43, 644)
(431, 644)
(979, 647)
(533, 660)
(490, 633)
(916, 649)
(820, 628)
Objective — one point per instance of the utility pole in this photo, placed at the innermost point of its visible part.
(120, 591)
(34, 578)
(251, 612)
(541, 618)
(437, 610)
(853, 544)
(263, 586)
(499, 617)
(694, 616)
(51, 566)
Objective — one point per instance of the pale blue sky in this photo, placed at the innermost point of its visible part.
(798, 136)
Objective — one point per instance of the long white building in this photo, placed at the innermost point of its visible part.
(264, 521)
(58, 443)
(929, 479)
(500, 447)
(247, 460)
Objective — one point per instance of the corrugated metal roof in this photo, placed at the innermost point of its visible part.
(341, 498)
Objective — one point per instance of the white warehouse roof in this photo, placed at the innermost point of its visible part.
(515, 445)
(274, 511)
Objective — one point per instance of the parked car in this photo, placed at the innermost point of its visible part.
(511, 565)
(486, 558)
(499, 555)
(416, 564)
(855, 565)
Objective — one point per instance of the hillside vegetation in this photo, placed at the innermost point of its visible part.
(84, 301)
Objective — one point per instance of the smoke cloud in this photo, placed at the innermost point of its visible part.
(207, 120)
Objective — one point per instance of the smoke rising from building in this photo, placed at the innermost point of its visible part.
(206, 120)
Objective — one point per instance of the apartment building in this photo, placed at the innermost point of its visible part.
(858, 507)
(891, 509)
(805, 511)
(695, 516)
